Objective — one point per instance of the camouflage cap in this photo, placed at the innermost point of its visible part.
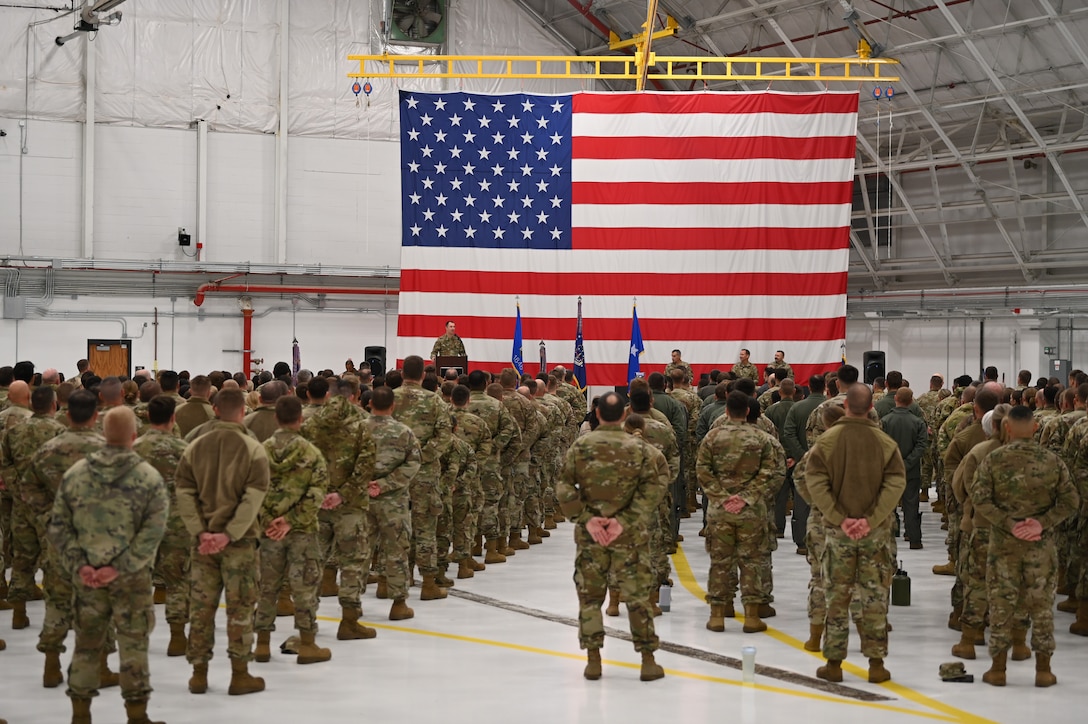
(953, 671)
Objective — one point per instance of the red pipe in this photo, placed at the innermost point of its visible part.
(247, 341)
(213, 287)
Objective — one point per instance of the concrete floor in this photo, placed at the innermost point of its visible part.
(502, 648)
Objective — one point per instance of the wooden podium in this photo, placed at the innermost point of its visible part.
(444, 363)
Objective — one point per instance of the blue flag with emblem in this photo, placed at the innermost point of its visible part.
(515, 356)
(637, 347)
(579, 352)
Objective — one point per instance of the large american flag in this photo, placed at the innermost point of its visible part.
(726, 215)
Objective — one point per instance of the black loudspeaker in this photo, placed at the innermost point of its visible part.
(873, 365)
(375, 357)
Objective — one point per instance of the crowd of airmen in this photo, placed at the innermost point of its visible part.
(320, 485)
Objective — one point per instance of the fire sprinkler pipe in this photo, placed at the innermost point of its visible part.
(213, 287)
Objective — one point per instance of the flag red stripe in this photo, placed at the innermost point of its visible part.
(603, 283)
(607, 374)
(696, 147)
(645, 192)
(741, 239)
(598, 328)
(733, 103)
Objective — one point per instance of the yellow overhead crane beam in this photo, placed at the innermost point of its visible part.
(615, 42)
(613, 67)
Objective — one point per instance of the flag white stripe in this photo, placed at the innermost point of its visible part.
(704, 216)
(700, 170)
(756, 126)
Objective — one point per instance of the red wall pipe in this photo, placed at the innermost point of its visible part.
(247, 341)
(213, 287)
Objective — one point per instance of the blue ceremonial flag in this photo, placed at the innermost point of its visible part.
(579, 352)
(515, 355)
(637, 347)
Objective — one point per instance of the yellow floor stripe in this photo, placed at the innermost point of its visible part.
(628, 665)
(687, 578)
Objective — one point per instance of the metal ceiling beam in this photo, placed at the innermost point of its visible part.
(546, 26)
(995, 155)
(859, 249)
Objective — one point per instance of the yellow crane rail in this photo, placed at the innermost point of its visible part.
(680, 68)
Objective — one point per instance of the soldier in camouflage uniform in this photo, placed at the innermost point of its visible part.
(389, 521)
(744, 368)
(678, 364)
(31, 506)
(927, 403)
(449, 344)
(1025, 492)
(458, 472)
(337, 429)
(516, 460)
(856, 493)
(107, 520)
(568, 430)
(289, 547)
(960, 403)
(43, 475)
(163, 450)
(221, 483)
(1073, 545)
(15, 410)
(466, 509)
(610, 486)
(551, 419)
(426, 415)
(740, 469)
(682, 393)
(780, 365)
(504, 434)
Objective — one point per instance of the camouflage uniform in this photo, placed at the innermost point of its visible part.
(738, 459)
(9, 416)
(110, 510)
(947, 431)
(504, 434)
(575, 397)
(974, 539)
(782, 367)
(539, 451)
(337, 429)
(746, 369)
(683, 367)
(466, 509)
(458, 470)
(297, 484)
(961, 444)
(858, 451)
(693, 404)
(1017, 481)
(43, 475)
(163, 450)
(927, 403)
(814, 544)
(448, 345)
(608, 473)
(1075, 530)
(426, 415)
(662, 437)
(389, 522)
(30, 504)
(516, 461)
(561, 440)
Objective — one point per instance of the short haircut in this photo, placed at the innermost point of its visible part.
(1082, 392)
(348, 387)
(859, 399)
(477, 380)
(788, 386)
(848, 375)
(430, 382)
(42, 399)
(381, 399)
(413, 368)
(990, 373)
(317, 388)
(610, 407)
(271, 391)
(64, 391)
(986, 399)
(736, 404)
(288, 410)
(160, 408)
(111, 390)
(936, 381)
(904, 396)
(678, 376)
(509, 378)
(460, 395)
(81, 406)
(168, 379)
(1020, 413)
(657, 381)
(7, 375)
(895, 379)
(230, 402)
(745, 385)
(816, 384)
(1051, 394)
(640, 401)
(149, 390)
(24, 371)
(494, 390)
(721, 390)
(119, 426)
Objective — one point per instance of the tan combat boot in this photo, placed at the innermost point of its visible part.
(1020, 650)
(729, 611)
(241, 682)
(1080, 626)
(954, 618)
(1043, 676)
(535, 536)
(328, 583)
(350, 629)
(478, 546)
(198, 682)
(505, 548)
(309, 652)
(159, 596)
(815, 633)
(831, 671)
(996, 675)
(476, 565)
(263, 653)
(52, 677)
(945, 569)
(494, 555)
(716, 622)
(19, 618)
(284, 605)
(752, 621)
(178, 642)
(877, 673)
(107, 678)
(443, 580)
(399, 611)
(654, 597)
(383, 588)
(1069, 605)
(559, 517)
(651, 671)
(766, 610)
(549, 522)
(593, 665)
(965, 649)
(465, 569)
(136, 711)
(613, 608)
(431, 591)
(516, 542)
(81, 710)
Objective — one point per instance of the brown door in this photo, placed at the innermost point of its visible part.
(110, 357)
